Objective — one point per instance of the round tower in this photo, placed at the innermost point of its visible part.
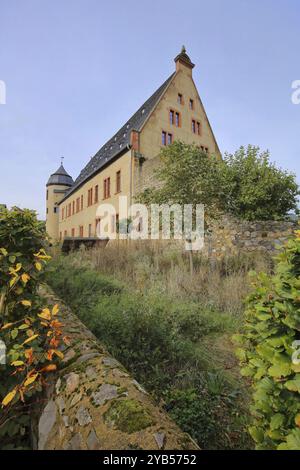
(57, 186)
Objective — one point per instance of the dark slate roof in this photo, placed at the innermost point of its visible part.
(120, 140)
(61, 178)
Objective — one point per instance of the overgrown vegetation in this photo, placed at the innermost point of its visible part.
(29, 333)
(270, 353)
(245, 184)
(170, 330)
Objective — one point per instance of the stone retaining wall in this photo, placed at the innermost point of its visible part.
(230, 236)
(94, 403)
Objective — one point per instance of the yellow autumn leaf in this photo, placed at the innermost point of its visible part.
(30, 380)
(7, 325)
(25, 278)
(38, 266)
(297, 420)
(26, 303)
(18, 267)
(30, 339)
(13, 281)
(4, 251)
(9, 397)
(58, 353)
(17, 363)
(55, 309)
(46, 315)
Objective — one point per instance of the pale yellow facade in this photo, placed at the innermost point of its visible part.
(87, 216)
(136, 163)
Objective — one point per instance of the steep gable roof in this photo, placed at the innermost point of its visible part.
(120, 140)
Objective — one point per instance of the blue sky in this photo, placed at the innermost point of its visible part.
(75, 70)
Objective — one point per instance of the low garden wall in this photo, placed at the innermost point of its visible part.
(94, 403)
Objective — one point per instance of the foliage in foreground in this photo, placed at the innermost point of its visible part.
(269, 353)
(30, 332)
(245, 184)
(162, 342)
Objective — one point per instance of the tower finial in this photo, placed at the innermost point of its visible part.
(62, 160)
(183, 50)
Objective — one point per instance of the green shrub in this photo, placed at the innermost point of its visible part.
(30, 332)
(266, 353)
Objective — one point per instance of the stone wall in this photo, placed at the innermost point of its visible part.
(94, 403)
(230, 236)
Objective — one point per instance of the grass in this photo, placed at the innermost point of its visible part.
(170, 327)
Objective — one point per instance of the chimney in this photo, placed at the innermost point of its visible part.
(183, 62)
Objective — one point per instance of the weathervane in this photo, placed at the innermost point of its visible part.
(62, 160)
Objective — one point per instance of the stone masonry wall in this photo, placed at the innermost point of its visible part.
(230, 236)
(94, 403)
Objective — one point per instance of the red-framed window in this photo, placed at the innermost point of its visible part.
(118, 181)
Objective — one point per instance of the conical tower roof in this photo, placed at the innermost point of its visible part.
(60, 178)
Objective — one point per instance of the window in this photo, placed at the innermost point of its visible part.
(166, 138)
(118, 181)
(47, 195)
(90, 230)
(73, 210)
(206, 149)
(81, 231)
(196, 127)
(97, 226)
(106, 188)
(117, 222)
(90, 197)
(60, 235)
(81, 205)
(179, 98)
(177, 119)
(47, 210)
(69, 210)
(63, 213)
(55, 210)
(171, 116)
(78, 204)
(65, 233)
(191, 104)
(73, 232)
(193, 126)
(96, 194)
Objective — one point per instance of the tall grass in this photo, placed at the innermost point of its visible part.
(169, 327)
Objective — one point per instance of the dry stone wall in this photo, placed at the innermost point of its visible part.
(230, 236)
(94, 403)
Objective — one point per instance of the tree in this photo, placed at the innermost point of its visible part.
(245, 184)
(255, 188)
(186, 176)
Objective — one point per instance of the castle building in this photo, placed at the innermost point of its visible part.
(124, 165)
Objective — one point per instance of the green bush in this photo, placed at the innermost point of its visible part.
(267, 354)
(26, 328)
